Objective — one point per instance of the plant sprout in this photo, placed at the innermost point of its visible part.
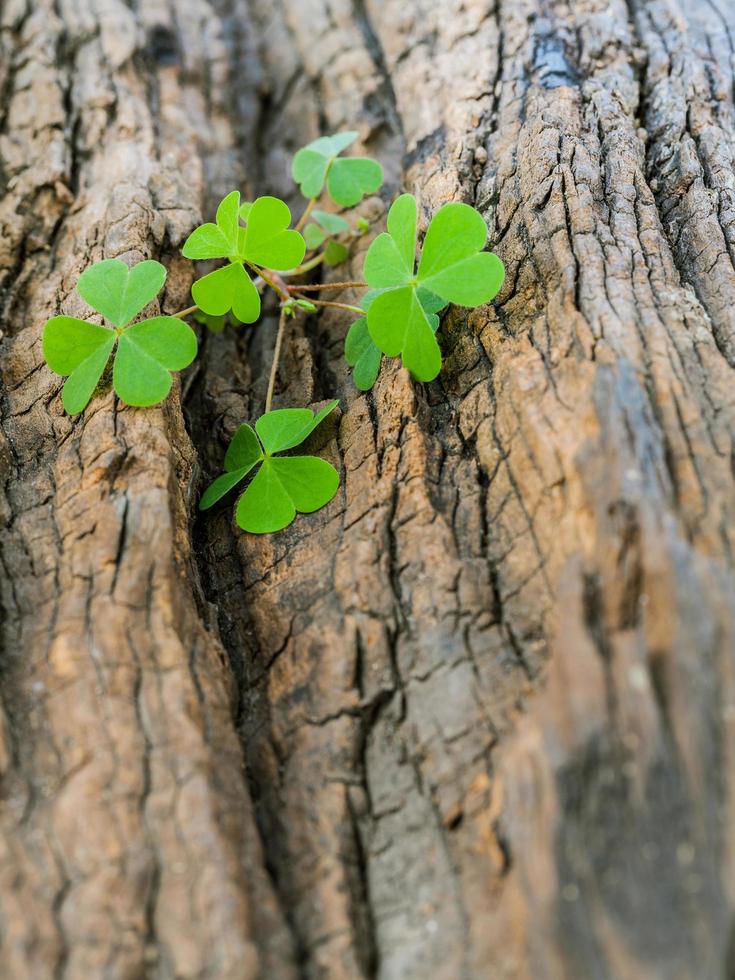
(144, 353)
(406, 289)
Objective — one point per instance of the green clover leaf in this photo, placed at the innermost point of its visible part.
(265, 241)
(361, 351)
(348, 179)
(220, 240)
(334, 224)
(228, 289)
(243, 453)
(310, 165)
(324, 226)
(146, 352)
(119, 292)
(80, 350)
(268, 240)
(351, 178)
(216, 324)
(335, 253)
(283, 485)
(314, 236)
(452, 268)
(362, 354)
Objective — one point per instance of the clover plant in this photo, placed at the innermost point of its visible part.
(348, 179)
(258, 250)
(282, 485)
(143, 354)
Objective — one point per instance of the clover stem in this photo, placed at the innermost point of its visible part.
(302, 220)
(328, 285)
(336, 306)
(306, 266)
(182, 313)
(276, 358)
(271, 279)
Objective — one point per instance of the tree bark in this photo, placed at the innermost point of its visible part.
(475, 719)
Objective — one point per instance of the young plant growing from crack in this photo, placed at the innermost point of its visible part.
(363, 354)
(144, 353)
(323, 228)
(397, 316)
(283, 485)
(266, 241)
(452, 268)
(348, 179)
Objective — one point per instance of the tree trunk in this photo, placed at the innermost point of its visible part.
(476, 718)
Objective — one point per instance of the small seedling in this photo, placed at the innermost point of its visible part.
(348, 179)
(361, 351)
(323, 226)
(283, 485)
(398, 315)
(266, 240)
(324, 229)
(452, 267)
(144, 353)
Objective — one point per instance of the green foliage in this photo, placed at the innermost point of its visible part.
(321, 230)
(362, 354)
(335, 253)
(361, 351)
(324, 225)
(451, 268)
(348, 179)
(314, 236)
(335, 224)
(256, 241)
(283, 485)
(119, 292)
(144, 353)
(216, 324)
(266, 241)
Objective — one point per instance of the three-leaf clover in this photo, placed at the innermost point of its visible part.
(146, 352)
(322, 227)
(361, 351)
(265, 241)
(283, 485)
(348, 178)
(452, 267)
(325, 225)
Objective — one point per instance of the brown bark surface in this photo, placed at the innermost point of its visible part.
(476, 718)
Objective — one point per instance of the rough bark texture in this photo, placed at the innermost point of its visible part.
(476, 718)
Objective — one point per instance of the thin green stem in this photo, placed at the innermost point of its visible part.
(182, 313)
(270, 280)
(328, 285)
(306, 266)
(336, 306)
(276, 358)
(304, 217)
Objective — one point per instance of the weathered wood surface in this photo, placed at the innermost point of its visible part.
(475, 719)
